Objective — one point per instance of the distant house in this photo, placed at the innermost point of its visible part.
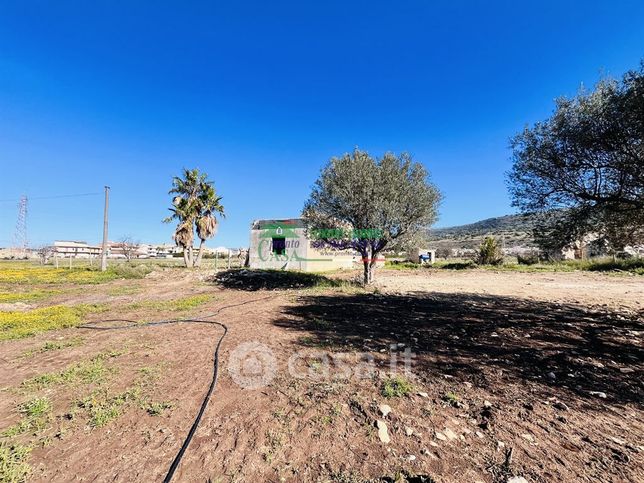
(421, 255)
(76, 249)
(283, 245)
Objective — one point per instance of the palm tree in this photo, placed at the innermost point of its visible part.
(195, 205)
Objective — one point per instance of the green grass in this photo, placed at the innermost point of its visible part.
(35, 413)
(451, 398)
(175, 305)
(123, 290)
(93, 371)
(103, 408)
(157, 408)
(32, 296)
(631, 265)
(36, 407)
(396, 265)
(396, 386)
(55, 345)
(13, 463)
(17, 325)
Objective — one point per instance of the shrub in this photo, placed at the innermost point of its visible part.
(458, 265)
(489, 252)
(528, 259)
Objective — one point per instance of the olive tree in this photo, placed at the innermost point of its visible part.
(369, 204)
(582, 169)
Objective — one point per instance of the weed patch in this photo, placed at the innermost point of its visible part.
(13, 463)
(103, 408)
(35, 413)
(55, 345)
(396, 386)
(34, 275)
(157, 408)
(17, 325)
(175, 305)
(93, 371)
(33, 296)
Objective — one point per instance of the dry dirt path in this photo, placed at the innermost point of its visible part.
(503, 361)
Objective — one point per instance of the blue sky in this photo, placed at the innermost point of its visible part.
(261, 94)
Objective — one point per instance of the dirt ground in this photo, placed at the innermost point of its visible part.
(533, 375)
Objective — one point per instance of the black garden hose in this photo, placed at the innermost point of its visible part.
(131, 324)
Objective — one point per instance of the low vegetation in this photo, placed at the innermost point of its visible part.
(14, 467)
(55, 345)
(32, 296)
(35, 415)
(396, 386)
(490, 252)
(102, 407)
(17, 325)
(157, 408)
(91, 371)
(29, 274)
(176, 305)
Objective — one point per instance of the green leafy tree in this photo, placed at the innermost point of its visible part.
(582, 169)
(194, 206)
(368, 204)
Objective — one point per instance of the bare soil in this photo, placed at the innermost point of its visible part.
(536, 375)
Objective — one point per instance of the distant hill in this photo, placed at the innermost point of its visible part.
(507, 223)
(515, 231)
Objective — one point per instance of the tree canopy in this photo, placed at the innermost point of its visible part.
(194, 206)
(368, 204)
(583, 168)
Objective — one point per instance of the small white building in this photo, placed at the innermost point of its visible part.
(283, 245)
(76, 249)
(422, 255)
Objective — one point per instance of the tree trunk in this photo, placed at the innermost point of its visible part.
(367, 273)
(372, 266)
(199, 253)
(186, 260)
(368, 262)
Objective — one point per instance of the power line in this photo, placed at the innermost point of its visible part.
(75, 195)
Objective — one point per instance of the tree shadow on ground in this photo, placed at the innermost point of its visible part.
(472, 337)
(252, 280)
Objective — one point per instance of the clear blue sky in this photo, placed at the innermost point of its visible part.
(261, 94)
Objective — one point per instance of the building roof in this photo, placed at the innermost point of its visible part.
(273, 224)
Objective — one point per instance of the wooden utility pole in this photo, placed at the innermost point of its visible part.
(104, 250)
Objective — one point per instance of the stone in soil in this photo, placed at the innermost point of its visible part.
(384, 409)
(383, 433)
(450, 434)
